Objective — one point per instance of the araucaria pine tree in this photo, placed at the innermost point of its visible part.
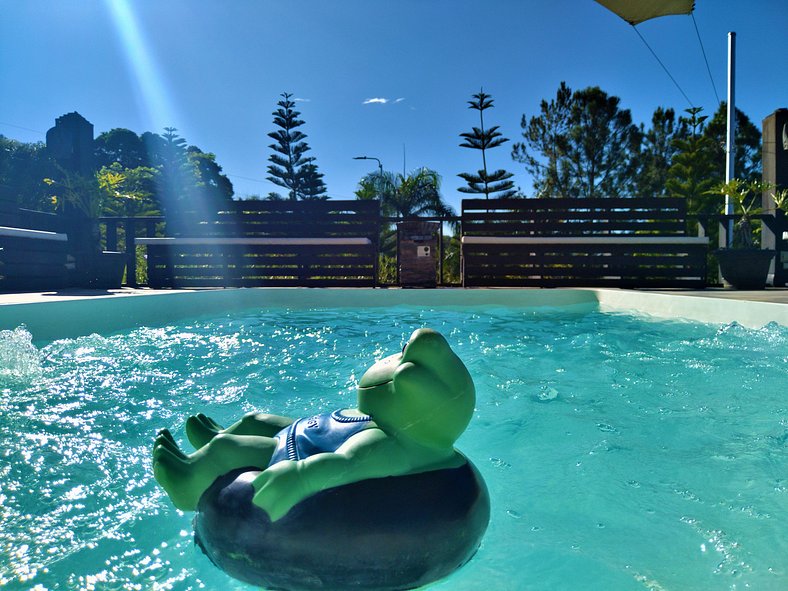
(312, 185)
(289, 167)
(693, 174)
(484, 139)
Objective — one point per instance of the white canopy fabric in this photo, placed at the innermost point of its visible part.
(637, 11)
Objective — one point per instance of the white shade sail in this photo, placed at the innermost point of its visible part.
(637, 11)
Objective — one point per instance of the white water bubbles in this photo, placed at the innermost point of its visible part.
(20, 360)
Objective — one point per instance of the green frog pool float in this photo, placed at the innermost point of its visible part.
(374, 497)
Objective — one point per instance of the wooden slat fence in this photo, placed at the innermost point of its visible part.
(269, 243)
(624, 242)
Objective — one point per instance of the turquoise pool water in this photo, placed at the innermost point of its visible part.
(620, 452)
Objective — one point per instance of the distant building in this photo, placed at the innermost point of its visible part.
(70, 142)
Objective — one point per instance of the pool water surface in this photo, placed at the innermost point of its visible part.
(620, 452)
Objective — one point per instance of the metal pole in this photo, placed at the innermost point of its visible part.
(380, 164)
(730, 148)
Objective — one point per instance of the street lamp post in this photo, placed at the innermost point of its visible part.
(377, 187)
(380, 166)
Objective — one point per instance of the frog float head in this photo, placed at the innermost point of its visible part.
(424, 394)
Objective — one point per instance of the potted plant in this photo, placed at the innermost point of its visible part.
(81, 200)
(744, 265)
(780, 200)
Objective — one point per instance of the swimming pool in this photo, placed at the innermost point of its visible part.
(621, 452)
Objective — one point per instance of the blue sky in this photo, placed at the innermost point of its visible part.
(214, 69)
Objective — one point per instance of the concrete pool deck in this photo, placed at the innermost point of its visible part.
(71, 313)
(775, 295)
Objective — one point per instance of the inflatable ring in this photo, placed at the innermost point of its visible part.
(385, 534)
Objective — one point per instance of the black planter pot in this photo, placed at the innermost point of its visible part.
(99, 270)
(745, 268)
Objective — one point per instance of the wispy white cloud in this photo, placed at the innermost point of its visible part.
(382, 101)
(302, 100)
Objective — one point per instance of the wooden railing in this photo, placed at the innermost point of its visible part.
(130, 228)
(120, 233)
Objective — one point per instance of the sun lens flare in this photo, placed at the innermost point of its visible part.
(149, 85)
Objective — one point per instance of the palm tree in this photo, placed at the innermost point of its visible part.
(401, 196)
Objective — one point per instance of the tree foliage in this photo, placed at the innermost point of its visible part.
(211, 186)
(23, 166)
(747, 142)
(112, 190)
(312, 185)
(543, 149)
(75, 194)
(657, 151)
(129, 191)
(582, 144)
(155, 174)
(483, 182)
(175, 180)
(122, 146)
(290, 168)
(184, 178)
(693, 173)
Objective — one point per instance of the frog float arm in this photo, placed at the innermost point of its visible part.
(368, 454)
(281, 486)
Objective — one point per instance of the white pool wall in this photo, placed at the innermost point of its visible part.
(105, 314)
(710, 310)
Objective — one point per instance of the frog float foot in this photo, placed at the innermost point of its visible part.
(165, 439)
(201, 429)
(174, 471)
(186, 477)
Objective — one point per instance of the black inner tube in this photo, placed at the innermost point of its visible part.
(386, 534)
